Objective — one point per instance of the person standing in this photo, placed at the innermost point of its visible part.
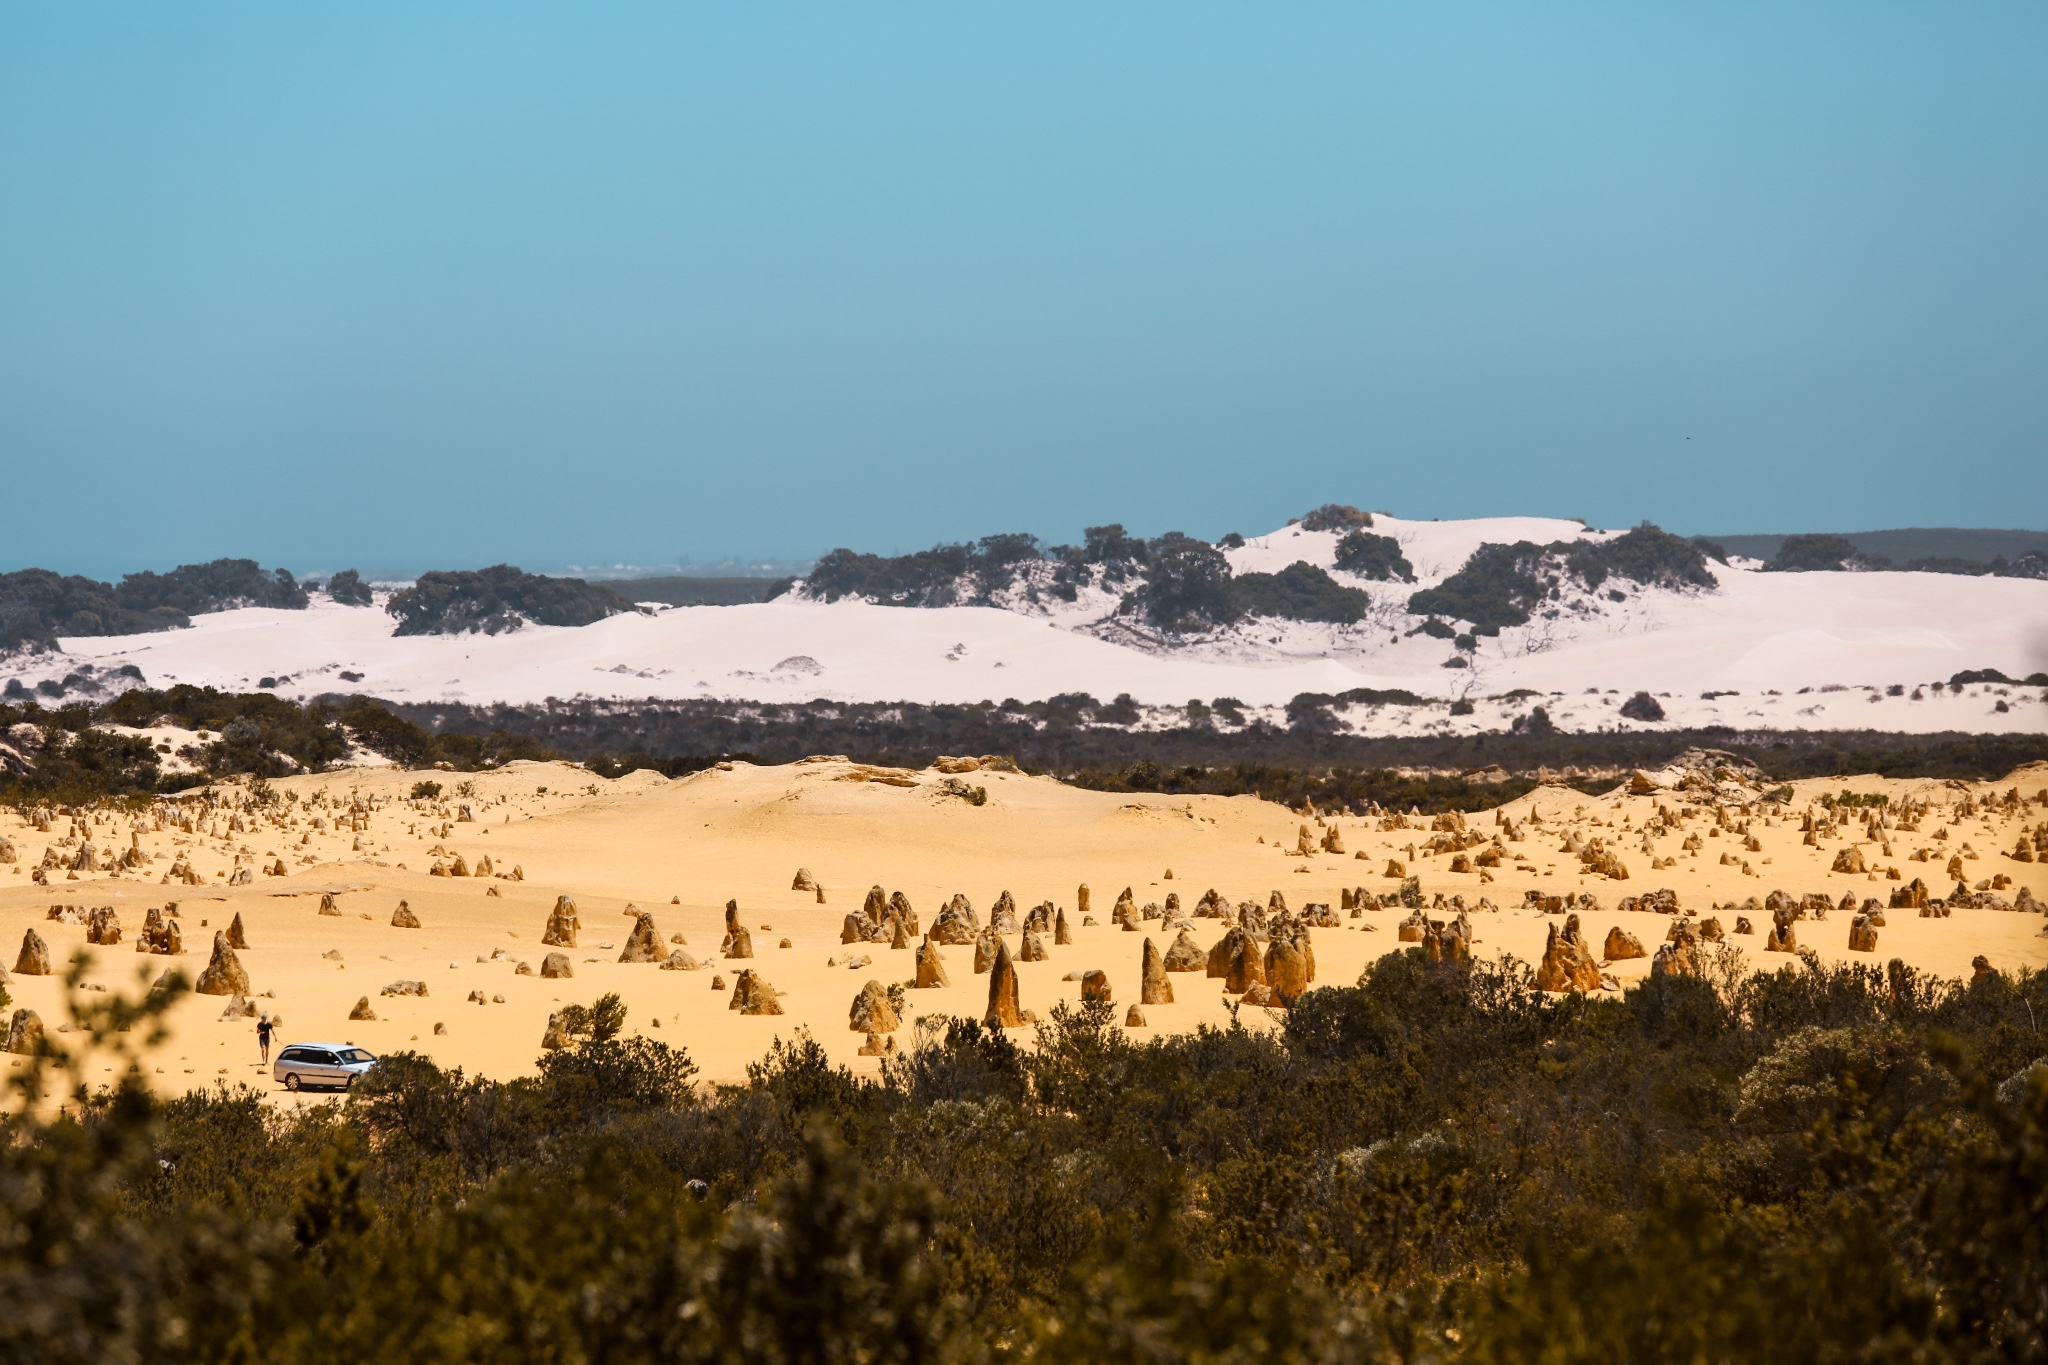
(263, 1038)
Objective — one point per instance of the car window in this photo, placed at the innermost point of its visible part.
(317, 1055)
(292, 1054)
(356, 1054)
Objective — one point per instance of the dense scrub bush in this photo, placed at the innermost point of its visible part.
(1501, 585)
(349, 589)
(1336, 516)
(1820, 553)
(1376, 557)
(1642, 706)
(214, 586)
(37, 606)
(1187, 586)
(499, 598)
(1435, 1163)
(1299, 592)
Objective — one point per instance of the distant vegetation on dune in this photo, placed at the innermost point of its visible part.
(1503, 585)
(53, 753)
(37, 606)
(1919, 548)
(499, 598)
(1819, 554)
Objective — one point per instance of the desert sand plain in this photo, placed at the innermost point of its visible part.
(681, 849)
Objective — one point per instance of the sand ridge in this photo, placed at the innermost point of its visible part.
(680, 849)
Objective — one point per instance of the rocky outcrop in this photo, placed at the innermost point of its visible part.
(1185, 955)
(1134, 1017)
(1003, 1011)
(1679, 955)
(25, 1033)
(556, 966)
(1567, 963)
(1782, 938)
(34, 958)
(1061, 935)
(1862, 935)
(753, 995)
(738, 942)
(986, 945)
(931, 968)
(1032, 949)
(556, 1036)
(404, 918)
(644, 944)
(1414, 928)
(1243, 966)
(804, 881)
(1095, 986)
(1153, 987)
(872, 1012)
(362, 1011)
(327, 905)
(1002, 917)
(1621, 945)
(160, 934)
(103, 926)
(1980, 967)
(223, 974)
(679, 960)
(1850, 859)
(1287, 970)
(563, 925)
(956, 923)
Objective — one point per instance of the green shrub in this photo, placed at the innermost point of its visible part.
(497, 599)
(1299, 592)
(1375, 557)
(425, 791)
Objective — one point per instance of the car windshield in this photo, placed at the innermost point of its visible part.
(355, 1054)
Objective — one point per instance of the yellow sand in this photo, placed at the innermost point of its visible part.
(741, 833)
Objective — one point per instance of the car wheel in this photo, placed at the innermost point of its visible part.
(291, 1082)
(349, 1084)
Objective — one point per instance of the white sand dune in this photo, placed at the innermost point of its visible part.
(1812, 650)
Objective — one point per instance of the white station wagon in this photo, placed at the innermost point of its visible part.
(331, 1064)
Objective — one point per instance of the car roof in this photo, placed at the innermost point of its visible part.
(308, 1042)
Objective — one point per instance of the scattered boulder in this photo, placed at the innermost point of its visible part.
(556, 965)
(804, 881)
(404, 918)
(362, 1011)
(1134, 1018)
(986, 945)
(877, 1046)
(872, 1012)
(1850, 859)
(931, 968)
(753, 995)
(224, 974)
(406, 987)
(1033, 948)
(644, 943)
(1413, 928)
(1259, 993)
(1980, 967)
(1622, 944)
(1061, 935)
(563, 925)
(1862, 935)
(679, 960)
(1095, 986)
(327, 905)
(1743, 926)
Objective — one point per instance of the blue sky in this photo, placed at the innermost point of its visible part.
(434, 286)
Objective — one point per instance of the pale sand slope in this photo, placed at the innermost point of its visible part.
(742, 833)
